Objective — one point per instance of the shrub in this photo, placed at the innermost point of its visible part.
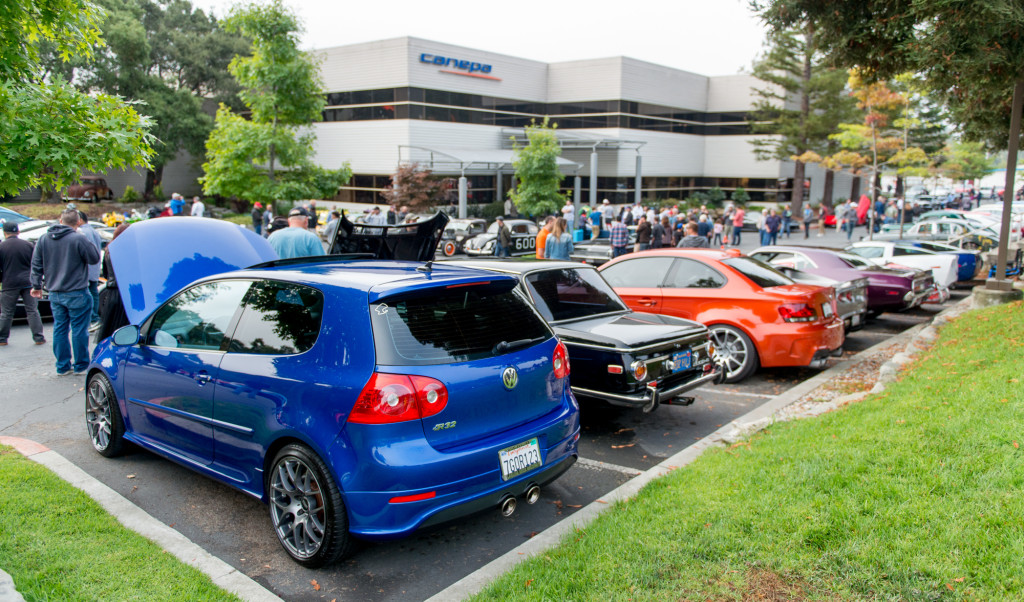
(130, 195)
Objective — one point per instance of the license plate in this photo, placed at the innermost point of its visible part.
(826, 310)
(855, 320)
(519, 459)
(682, 360)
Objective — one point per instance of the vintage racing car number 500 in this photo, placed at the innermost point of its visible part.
(518, 459)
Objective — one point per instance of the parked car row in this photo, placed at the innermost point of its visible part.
(373, 391)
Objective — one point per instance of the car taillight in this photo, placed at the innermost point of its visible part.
(639, 370)
(797, 312)
(390, 398)
(560, 361)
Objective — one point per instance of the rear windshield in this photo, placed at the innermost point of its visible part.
(440, 326)
(761, 273)
(569, 293)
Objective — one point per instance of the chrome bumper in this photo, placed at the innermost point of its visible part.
(652, 396)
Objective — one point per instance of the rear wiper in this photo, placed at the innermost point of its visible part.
(504, 346)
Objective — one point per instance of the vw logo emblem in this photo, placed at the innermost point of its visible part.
(510, 378)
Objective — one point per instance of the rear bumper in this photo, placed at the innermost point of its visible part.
(652, 394)
(802, 344)
(461, 481)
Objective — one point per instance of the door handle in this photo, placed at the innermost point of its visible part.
(646, 301)
(202, 378)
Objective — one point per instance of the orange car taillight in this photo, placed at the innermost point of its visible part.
(390, 398)
(560, 361)
(797, 312)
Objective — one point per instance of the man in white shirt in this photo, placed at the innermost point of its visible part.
(197, 207)
(569, 213)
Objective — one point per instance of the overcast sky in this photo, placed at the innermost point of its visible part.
(709, 37)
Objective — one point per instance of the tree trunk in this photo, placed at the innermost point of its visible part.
(796, 197)
(826, 196)
(855, 188)
(153, 178)
(899, 185)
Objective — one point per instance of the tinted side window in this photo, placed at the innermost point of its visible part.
(649, 272)
(199, 317)
(567, 294)
(279, 318)
(694, 274)
(898, 251)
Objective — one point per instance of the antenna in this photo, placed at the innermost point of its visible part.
(427, 267)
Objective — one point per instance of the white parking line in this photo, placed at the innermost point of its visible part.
(720, 391)
(605, 465)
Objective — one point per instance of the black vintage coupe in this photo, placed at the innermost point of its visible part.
(618, 356)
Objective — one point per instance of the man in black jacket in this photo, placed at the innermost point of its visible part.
(61, 263)
(15, 265)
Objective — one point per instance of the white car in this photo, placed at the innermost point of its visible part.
(943, 266)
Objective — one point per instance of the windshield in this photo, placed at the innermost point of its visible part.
(568, 293)
(759, 272)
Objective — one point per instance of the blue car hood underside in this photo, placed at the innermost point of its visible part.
(155, 258)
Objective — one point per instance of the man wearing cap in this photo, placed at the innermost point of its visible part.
(376, 218)
(503, 240)
(15, 267)
(295, 240)
(257, 218)
(60, 263)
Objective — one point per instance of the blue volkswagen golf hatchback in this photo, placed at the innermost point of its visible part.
(358, 398)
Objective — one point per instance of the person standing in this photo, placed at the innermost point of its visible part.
(849, 217)
(177, 204)
(332, 226)
(693, 238)
(569, 213)
(704, 226)
(94, 270)
(717, 230)
(772, 224)
(268, 217)
(503, 240)
(787, 221)
(313, 218)
(619, 238)
(737, 225)
(727, 225)
(60, 263)
(608, 213)
(542, 235)
(657, 234)
(15, 268)
(643, 234)
(808, 219)
(198, 207)
(392, 215)
(376, 218)
(559, 243)
(296, 240)
(257, 218)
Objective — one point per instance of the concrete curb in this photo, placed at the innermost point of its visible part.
(131, 516)
(744, 426)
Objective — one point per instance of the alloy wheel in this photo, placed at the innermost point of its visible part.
(97, 414)
(297, 507)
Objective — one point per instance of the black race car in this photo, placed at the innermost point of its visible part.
(619, 356)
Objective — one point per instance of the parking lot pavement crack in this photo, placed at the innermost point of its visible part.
(38, 408)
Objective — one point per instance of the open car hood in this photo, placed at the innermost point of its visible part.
(411, 242)
(155, 258)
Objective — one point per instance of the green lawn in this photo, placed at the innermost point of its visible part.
(58, 544)
(915, 493)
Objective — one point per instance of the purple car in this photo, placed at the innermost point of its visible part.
(888, 289)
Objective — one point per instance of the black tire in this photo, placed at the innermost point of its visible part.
(103, 417)
(734, 351)
(306, 508)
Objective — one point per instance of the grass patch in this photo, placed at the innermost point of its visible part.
(914, 493)
(59, 544)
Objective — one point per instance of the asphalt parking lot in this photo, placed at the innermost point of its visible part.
(616, 445)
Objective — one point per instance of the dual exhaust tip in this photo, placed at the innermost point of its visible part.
(508, 503)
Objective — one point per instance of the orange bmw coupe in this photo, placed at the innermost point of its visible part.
(757, 315)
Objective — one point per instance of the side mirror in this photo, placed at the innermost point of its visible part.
(126, 335)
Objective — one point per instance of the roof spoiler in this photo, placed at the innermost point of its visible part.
(411, 242)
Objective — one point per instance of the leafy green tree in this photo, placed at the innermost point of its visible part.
(965, 161)
(800, 106)
(740, 196)
(265, 156)
(50, 131)
(536, 166)
(716, 196)
(174, 59)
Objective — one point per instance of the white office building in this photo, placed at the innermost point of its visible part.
(625, 123)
